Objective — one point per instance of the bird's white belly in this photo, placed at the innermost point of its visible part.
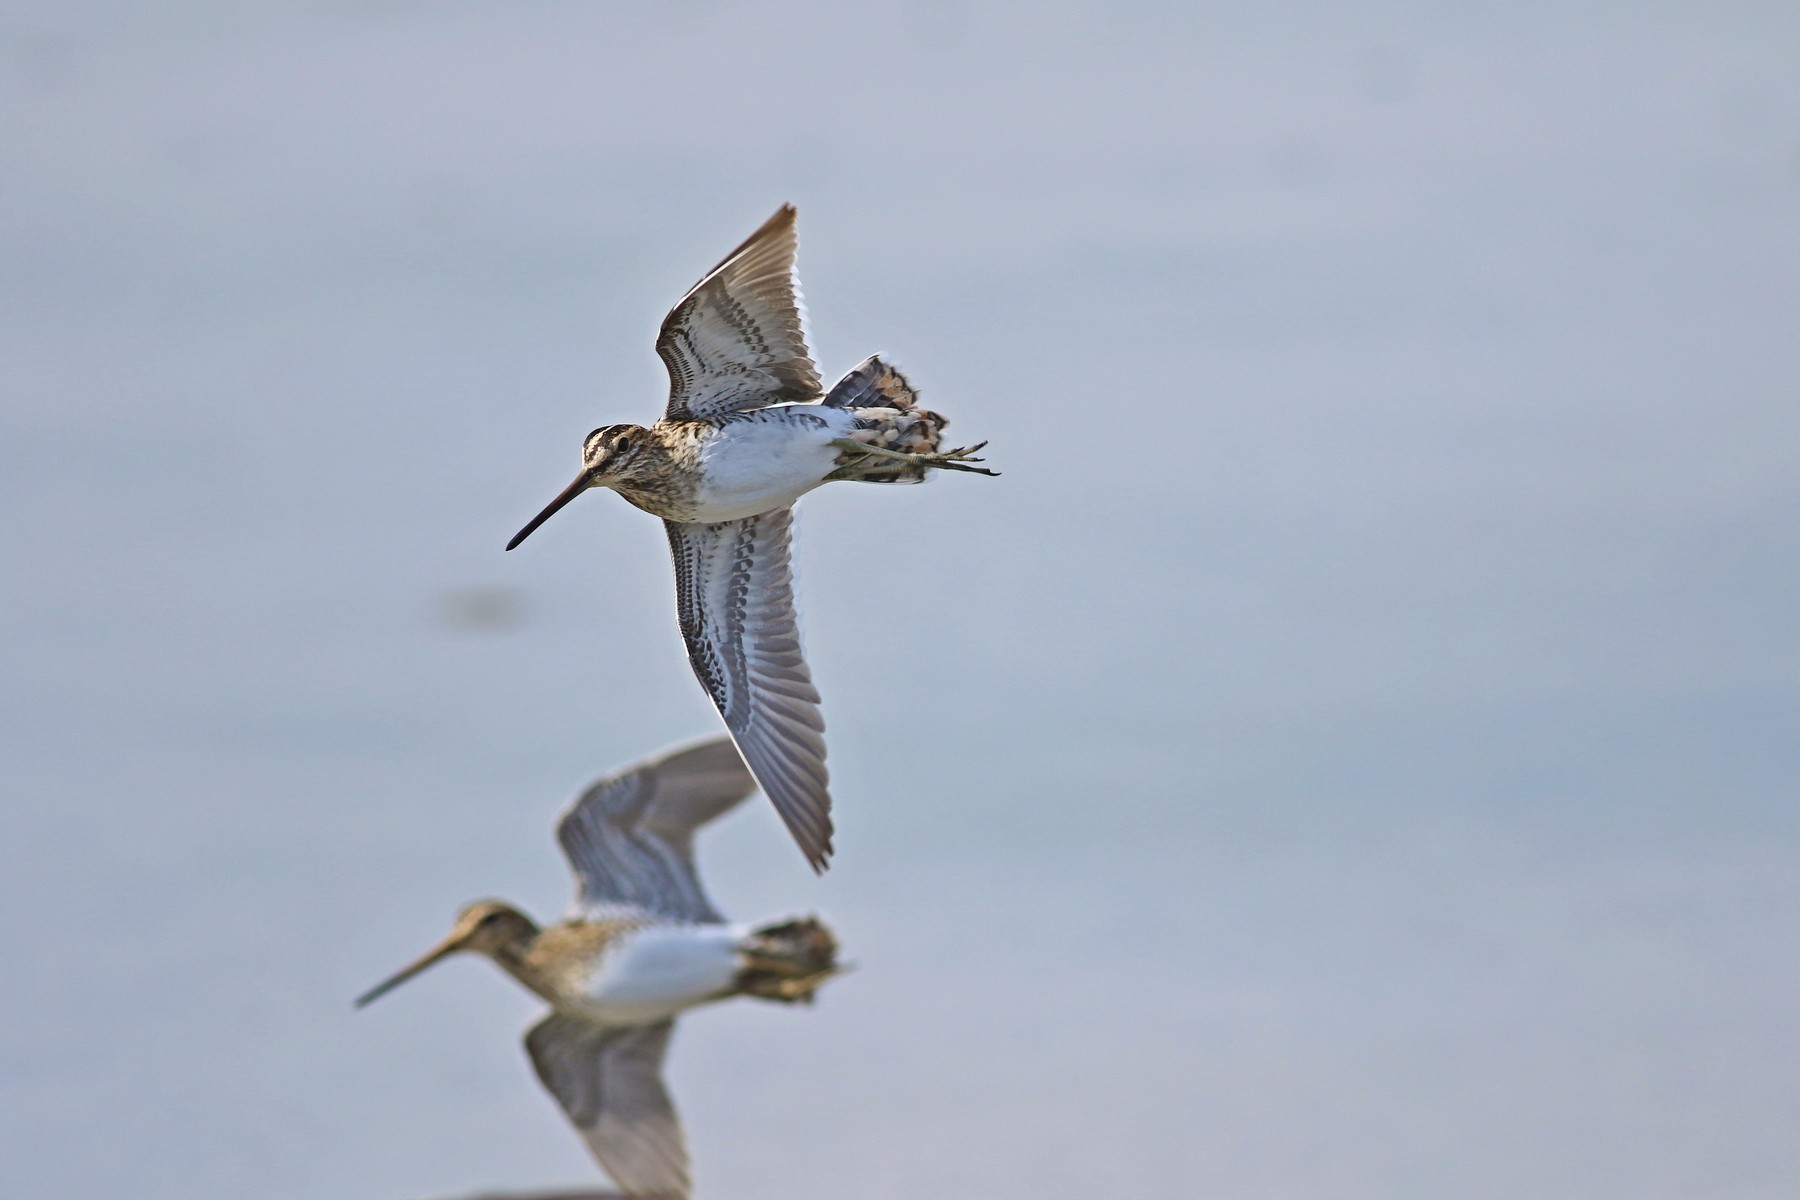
(657, 972)
(758, 465)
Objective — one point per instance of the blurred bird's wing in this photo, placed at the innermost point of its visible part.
(630, 837)
(738, 340)
(735, 597)
(609, 1081)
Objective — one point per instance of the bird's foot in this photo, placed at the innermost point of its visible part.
(958, 459)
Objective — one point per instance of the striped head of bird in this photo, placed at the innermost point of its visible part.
(490, 927)
(611, 454)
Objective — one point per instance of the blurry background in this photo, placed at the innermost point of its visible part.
(1351, 753)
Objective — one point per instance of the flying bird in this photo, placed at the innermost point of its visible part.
(644, 944)
(747, 432)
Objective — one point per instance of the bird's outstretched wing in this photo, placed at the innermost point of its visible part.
(737, 340)
(735, 598)
(630, 837)
(609, 1081)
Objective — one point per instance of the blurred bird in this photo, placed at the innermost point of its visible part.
(747, 432)
(645, 944)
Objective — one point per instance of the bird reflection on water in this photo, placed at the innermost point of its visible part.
(645, 944)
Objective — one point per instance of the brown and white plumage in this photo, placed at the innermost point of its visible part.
(645, 944)
(747, 431)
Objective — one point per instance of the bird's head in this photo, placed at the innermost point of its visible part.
(490, 927)
(608, 455)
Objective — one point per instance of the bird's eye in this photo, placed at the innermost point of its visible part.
(622, 445)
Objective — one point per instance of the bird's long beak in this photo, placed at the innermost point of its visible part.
(582, 483)
(442, 951)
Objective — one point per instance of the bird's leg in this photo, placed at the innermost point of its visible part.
(948, 460)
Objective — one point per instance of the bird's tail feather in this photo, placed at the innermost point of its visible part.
(888, 417)
(872, 383)
(787, 961)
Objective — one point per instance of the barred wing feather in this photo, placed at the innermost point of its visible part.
(738, 339)
(609, 1082)
(630, 837)
(734, 594)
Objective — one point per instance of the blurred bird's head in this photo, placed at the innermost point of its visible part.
(609, 455)
(490, 927)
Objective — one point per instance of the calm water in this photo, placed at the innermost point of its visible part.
(1351, 753)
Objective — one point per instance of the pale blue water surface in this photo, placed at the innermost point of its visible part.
(1350, 754)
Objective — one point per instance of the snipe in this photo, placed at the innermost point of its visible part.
(644, 945)
(748, 431)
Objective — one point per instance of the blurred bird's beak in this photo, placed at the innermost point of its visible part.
(444, 950)
(582, 483)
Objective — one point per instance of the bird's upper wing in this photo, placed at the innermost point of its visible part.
(609, 1081)
(737, 340)
(735, 598)
(630, 837)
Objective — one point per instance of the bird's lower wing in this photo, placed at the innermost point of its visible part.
(609, 1081)
(734, 593)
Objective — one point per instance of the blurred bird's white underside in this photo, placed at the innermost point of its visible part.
(657, 972)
